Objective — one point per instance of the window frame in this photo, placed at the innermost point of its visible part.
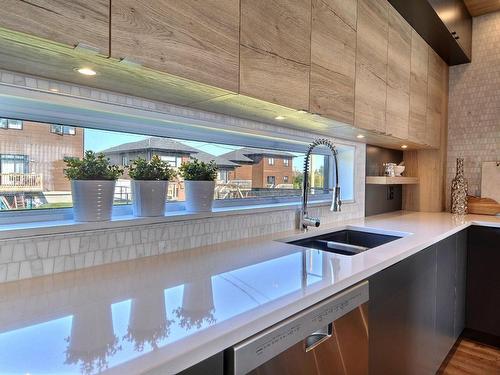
(8, 124)
(286, 162)
(94, 114)
(65, 129)
(271, 161)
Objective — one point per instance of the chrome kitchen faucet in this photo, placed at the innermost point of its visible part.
(304, 220)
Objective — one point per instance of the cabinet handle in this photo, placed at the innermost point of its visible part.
(453, 33)
(318, 337)
(457, 37)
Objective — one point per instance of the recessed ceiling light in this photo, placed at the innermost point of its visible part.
(404, 146)
(279, 117)
(360, 136)
(86, 71)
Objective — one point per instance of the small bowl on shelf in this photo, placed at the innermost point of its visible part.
(398, 170)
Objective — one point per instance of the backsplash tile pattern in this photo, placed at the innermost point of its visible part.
(49, 254)
(474, 105)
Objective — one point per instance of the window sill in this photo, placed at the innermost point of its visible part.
(38, 228)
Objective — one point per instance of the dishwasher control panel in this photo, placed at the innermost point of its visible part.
(263, 346)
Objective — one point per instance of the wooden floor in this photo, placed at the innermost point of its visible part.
(471, 358)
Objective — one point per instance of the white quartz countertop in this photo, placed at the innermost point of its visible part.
(169, 312)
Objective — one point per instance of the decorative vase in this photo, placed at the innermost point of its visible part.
(459, 190)
(149, 198)
(199, 195)
(92, 199)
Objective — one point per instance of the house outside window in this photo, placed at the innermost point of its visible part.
(125, 160)
(173, 161)
(286, 162)
(62, 130)
(13, 163)
(270, 161)
(271, 180)
(285, 179)
(11, 124)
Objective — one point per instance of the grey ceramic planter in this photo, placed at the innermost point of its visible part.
(149, 198)
(92, 199)
(199, 195)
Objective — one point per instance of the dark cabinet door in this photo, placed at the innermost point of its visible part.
(402, 311)
(460, 286)
(446, 256)
(213, 366)
(483, 280)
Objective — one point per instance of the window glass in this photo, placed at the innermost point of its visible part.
(62, 129)
(11, 124)
(31, 166)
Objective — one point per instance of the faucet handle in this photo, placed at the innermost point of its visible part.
(308, 221)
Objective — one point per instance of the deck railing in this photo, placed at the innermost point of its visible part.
(20, 182)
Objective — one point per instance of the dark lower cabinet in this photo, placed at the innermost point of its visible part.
(461, 283)
(402, 312)
(483, 283)
(210, 366)
(417, 308)
(446, 257)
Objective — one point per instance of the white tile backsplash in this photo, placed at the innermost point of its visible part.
(474, 105)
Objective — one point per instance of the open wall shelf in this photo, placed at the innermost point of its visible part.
(383, 180)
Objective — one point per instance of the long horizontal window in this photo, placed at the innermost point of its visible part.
(31, 166)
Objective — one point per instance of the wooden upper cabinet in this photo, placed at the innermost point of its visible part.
(435, 99)
(333, 60)
(418, 89)
(197, 40)
(66, 22)
(275, 47)
(372, 34)
(371, 65)
(398, 75)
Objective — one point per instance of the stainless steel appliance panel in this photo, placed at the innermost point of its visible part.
(330, 337)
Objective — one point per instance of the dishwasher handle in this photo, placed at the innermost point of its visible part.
(318, 337)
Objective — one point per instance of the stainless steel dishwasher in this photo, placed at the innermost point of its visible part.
(330, 337)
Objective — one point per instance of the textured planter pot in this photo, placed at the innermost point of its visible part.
(92, 199)
(149, 198)
(199, 195)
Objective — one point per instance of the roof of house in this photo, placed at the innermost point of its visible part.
(219, 160)
(153, 143)
(241, 155)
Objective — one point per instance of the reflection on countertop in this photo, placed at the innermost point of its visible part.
(180, 308)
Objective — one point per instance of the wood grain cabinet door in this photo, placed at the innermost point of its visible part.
(418, 89)
(63, 21)
(398, 76)
(371, 65)
(197, 40)
(275, 48)
(434, 99)
(333, 59)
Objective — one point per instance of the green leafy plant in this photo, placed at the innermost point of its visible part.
(153, 170)
(195, 170)
(93, 166)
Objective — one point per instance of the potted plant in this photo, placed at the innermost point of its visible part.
(149, 185)
(93, 181)
(199, 181)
